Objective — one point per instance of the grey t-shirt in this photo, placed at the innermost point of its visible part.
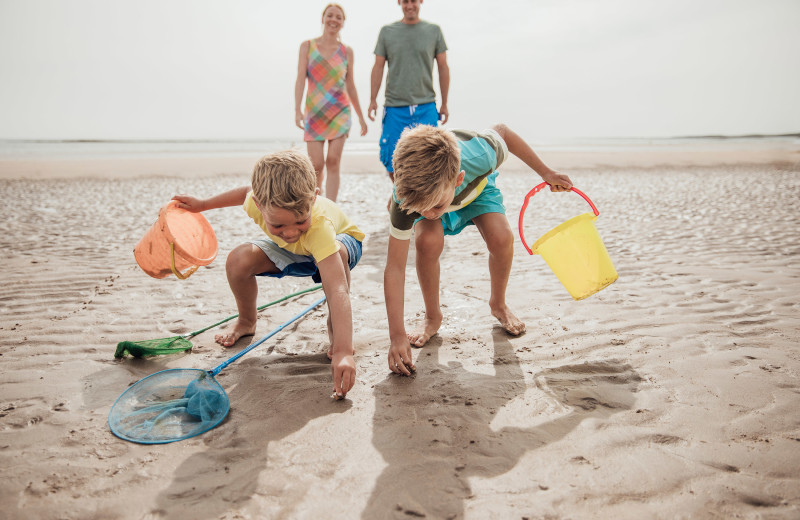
(410, 51)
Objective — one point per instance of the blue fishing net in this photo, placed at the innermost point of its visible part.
(176, 404)
(169, 406)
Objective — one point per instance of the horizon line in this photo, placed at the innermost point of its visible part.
(262, 139)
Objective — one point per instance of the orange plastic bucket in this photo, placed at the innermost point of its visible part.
(574, 251)
(178, 243)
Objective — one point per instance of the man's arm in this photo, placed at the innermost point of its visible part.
(444, 84)
(376, 78)
(394, 279)
(334, 283)
(518, 146)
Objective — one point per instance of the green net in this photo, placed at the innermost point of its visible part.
(153, 347)
(175, 344)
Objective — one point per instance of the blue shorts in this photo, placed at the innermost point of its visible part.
(291, 264)
(489, 201)
(397, 119)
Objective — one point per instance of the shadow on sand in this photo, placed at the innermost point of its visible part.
(264, 409)
(450, 439)
(271, 398)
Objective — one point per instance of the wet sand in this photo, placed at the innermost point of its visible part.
(670, 394)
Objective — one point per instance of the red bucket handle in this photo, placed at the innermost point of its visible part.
(533, 192)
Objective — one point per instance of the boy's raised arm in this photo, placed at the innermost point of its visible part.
(234, 197)
(518, 146)
(334, 283)
(394, 279)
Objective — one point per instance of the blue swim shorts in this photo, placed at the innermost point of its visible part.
(291, 264)
(489, 201)
(397, 119)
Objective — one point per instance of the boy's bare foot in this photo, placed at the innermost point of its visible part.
(239, 330)
(429, 329)
(509, 321)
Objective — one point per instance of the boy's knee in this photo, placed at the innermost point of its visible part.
(344, 255)
(243, 260)
(235, 259)
(428, 243)
(500, 240)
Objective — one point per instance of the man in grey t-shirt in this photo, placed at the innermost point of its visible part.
(410, 47)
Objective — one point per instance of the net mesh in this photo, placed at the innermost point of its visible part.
(153, 347)
(169, 406)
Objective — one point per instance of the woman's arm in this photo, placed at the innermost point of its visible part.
(353, 93)
(300, 84)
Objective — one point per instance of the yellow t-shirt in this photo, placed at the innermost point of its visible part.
(327, 221)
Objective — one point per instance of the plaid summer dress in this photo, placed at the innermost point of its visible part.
(327, 104)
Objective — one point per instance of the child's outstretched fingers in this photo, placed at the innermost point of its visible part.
(344, 377)
(188, 203)
(400, 362)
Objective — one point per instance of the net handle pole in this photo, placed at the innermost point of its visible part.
(216, 370)
(261, 308)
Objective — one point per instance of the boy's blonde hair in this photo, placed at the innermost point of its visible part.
(426, 162)
(285, 180)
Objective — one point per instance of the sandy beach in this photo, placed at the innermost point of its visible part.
(673, 393)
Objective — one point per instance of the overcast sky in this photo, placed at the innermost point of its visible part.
(201, 69)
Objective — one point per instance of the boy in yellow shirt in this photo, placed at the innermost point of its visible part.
(307, 235)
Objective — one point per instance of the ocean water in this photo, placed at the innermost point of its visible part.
(100, 149)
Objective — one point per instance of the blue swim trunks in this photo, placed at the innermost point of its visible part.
(291, 264)
(489, 201)
(397, 119)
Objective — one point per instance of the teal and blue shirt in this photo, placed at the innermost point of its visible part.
(481, 154)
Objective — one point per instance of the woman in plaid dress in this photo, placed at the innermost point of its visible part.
(328, 65)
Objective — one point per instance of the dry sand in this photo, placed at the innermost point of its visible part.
(673, 393)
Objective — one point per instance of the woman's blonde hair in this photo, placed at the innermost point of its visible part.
(333, 4)
(285, 180)
(426, 162)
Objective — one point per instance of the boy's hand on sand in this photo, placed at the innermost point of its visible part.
(400, 361)
(557, 181)
(188, 203)
(344, 374)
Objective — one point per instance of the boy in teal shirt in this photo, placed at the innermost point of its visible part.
(444, 182)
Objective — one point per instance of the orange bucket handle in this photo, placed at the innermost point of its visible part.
(533, 192)
(181, 276)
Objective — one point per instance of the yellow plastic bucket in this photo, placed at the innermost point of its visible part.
(574, 251)
(178, 243)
